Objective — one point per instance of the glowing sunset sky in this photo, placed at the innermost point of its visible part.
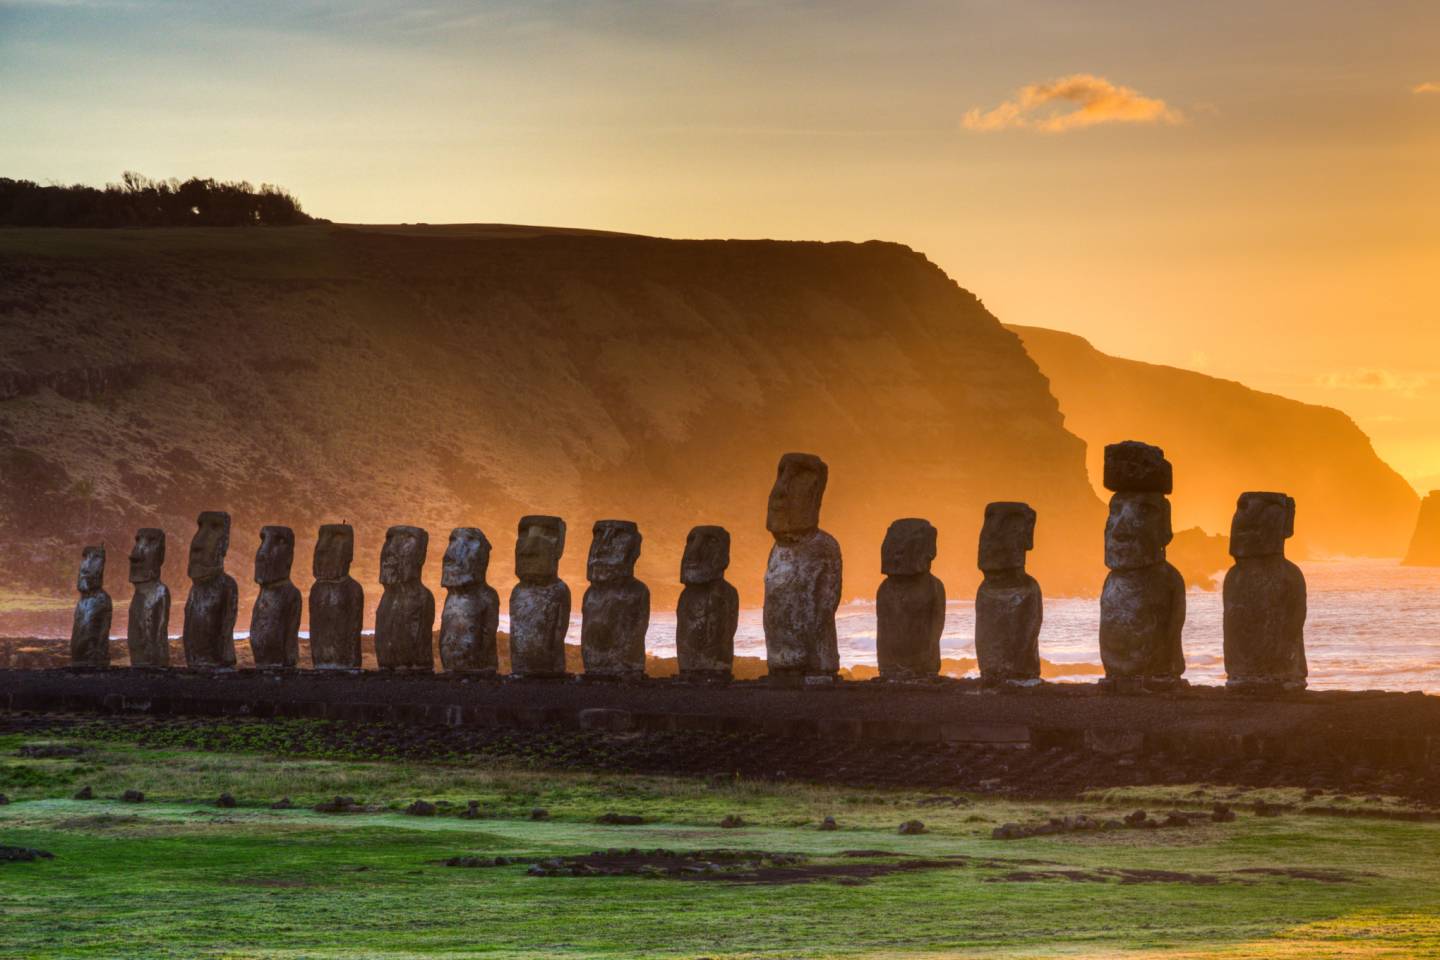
(1251, 189)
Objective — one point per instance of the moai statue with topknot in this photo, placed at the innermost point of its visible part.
(709, 608)
(1142, 607)
(1264, 599)
(540, 602)
(337, 601)
(275, 618)
(910, 604)
(148, 634)
(209, 631)
(802, 579)
(90, 633)
(405, 619)
(615, 611)
(1008, 606)
(472, 607)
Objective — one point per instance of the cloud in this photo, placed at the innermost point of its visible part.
(1092, 101)
(1428, 86)
(1369, 378)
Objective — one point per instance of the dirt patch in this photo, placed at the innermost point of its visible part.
(101, 821)
(1131, 876)
(760, 867)
(23, 855)
(1318, 874)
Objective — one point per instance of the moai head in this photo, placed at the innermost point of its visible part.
(276, 554)
(538, 547)
(403, 555)
(909, 548)
(148, 555)
(795, 499)
(207, 549)
(614, 548)
(92, 570)
(334, 551)
(1135, 467)
(467, 558)
(1262, 524)
(1008, 534)
(1138, 530)
(707, 555)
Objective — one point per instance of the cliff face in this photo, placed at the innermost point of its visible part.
(1425, 544)
(1225, 438)
(446, 377)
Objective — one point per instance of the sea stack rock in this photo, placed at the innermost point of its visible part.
(802, 579)
(90, 632)
(910, 604)
(1425, 545)
(1009, 608)
(1142, 606)
(275, 618)
(1264, 599)
(209, 631)
(615, 611)
(337, 601)
(540, 602)
(405, 619)
(472, 607)
(709, 608)
(148, 633)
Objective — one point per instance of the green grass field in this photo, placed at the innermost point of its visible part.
(178, 876)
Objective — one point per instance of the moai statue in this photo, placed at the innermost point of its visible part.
(1142, 607)
(148, 636)
(615, 611)
(90, 633)
(209, 631)
(1264, 598)
(472, 607)
(275, 618)
(910, 604)
(709, 608)
(1008, 605)
(405, 619)
(337, 601)
(802, 579)
(540, 602)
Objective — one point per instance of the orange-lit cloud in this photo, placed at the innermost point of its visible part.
(1372, 379)
(1070, 103)
(1427, 87)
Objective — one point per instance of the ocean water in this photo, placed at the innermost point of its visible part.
(1372, 625)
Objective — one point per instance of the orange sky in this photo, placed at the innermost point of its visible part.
(1246, 189)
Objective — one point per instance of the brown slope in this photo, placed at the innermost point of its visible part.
(1225, 438)
(321, 373)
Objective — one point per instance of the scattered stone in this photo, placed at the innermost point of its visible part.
(540, 602)
(275, 618)
(473, 862)
(1137, 818)
(912, 827)
(472, 607)
(148, 627)
(282, 804)
(23, 854)
(4, 800)
(210, 609)
(85, 793)
(910, 604)
(1009, 607)
(337, 601)
(472, 811)
(338, 805)
(1221, 813)
(709, 609)
(802, 577)
(615, 611)
(1264, 598)
(90, 629)
(132, 796)
(1263, 809)
(539, 813)
(421, 808)
(620, 819)
(829, 824)
(225, 800)
(732, 821)
(405, 619)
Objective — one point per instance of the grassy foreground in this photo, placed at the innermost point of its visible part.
(178, 876)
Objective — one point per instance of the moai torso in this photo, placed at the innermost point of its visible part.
(709, 608)
(472, 607)
(148, 633)
(540, 602)
(615, 611)
(802, 578)
(910, 604)
(90, 632)
(1009, 608)
(1142, 606)
(1265, 602)
(209, 631)
(275, 618)
(337, 601)
(405, 619)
